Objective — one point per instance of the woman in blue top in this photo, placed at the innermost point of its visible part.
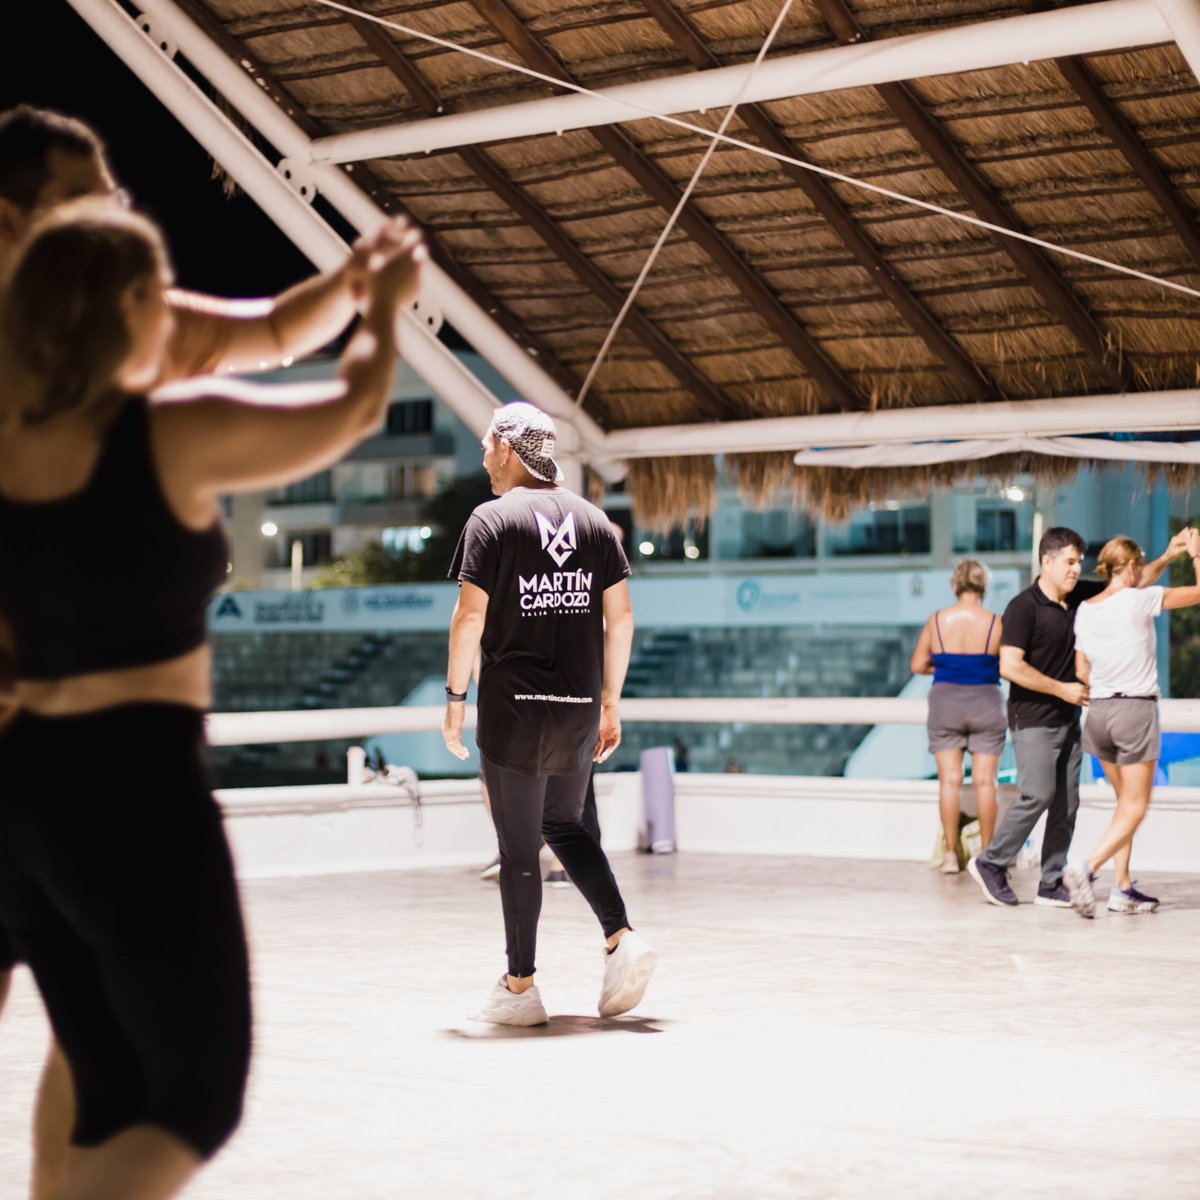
(960, 648)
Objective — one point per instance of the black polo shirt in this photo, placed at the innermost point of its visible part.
(1046, 632)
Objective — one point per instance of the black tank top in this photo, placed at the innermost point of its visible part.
(106, 577)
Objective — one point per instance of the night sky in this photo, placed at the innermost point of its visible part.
(219, 245)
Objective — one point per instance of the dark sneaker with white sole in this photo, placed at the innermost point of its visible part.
(1130, 900)
(992, 882)
(1056, 897)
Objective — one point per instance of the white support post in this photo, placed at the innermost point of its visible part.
(297, 565)
(239, 88)
(266, 186)
(1081, 29)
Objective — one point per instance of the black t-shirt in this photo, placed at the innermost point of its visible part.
(1046, 632)
(545, 557)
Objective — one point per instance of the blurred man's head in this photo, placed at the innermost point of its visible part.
(1061, 554)
(518, 448)
(46, 158)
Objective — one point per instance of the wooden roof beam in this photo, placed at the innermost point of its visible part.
(769, 309)
(1114, 126)
(949, 159)
(1183, 19)
(1108, 117)
(1140, 160)
(707, 395)
(826, 202)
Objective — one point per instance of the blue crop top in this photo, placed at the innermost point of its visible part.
(107, 577)
(970, 669)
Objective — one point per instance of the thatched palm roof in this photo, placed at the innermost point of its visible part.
(778, 293)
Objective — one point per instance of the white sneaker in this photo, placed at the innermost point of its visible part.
(950, 863)
(627, 971)
(1077, 879)
(503, 1007)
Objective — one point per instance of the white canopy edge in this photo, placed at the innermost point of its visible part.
(920, 454)
(1084, 29)
(1145, 412)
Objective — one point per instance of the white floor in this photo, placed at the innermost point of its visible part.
(817, 1029)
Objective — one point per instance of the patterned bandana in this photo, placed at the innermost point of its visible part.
(531, 434)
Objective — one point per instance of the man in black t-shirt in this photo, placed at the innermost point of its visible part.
(543, 599)
(1037, 657)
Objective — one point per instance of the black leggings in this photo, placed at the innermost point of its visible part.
(117, 887)
(591, 817)
(525, 810)
(8, 952)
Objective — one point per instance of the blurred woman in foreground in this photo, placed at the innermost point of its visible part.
(116, 882)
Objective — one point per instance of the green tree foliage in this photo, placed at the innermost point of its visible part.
(446, 514)
(369, 564)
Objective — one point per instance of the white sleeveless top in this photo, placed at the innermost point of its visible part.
(1118, 637)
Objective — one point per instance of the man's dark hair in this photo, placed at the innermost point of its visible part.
(1059, 538)
(27, 135)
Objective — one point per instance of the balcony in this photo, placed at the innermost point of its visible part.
(381, 511)
(387, 447)
(293, 515)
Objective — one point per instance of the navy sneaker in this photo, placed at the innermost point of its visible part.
(1130, 900)
(557, 879)
(1055, 897)
(993, 882)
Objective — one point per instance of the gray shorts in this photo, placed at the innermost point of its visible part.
(1122, 730)
(964, 716)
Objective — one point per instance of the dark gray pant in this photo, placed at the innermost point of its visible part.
(525, 810)
(1048, 765)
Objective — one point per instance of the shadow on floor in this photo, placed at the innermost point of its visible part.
(561, 1026)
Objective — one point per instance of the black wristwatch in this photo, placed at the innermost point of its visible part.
(456, 697)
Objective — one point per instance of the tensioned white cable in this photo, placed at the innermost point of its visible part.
(679, 207)
(750, 147)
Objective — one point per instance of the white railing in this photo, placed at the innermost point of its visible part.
(244, 729)
(381, 825)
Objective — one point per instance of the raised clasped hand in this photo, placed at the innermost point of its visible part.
(387, 261)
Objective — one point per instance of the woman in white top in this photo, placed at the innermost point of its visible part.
(1116, 656)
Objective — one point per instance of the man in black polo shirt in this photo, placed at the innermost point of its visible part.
(543, 596)
(1037, 657)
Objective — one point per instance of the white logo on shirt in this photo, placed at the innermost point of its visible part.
(559, 543)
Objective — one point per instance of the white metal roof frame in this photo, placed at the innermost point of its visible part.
(1086, 29)
(285, 189)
